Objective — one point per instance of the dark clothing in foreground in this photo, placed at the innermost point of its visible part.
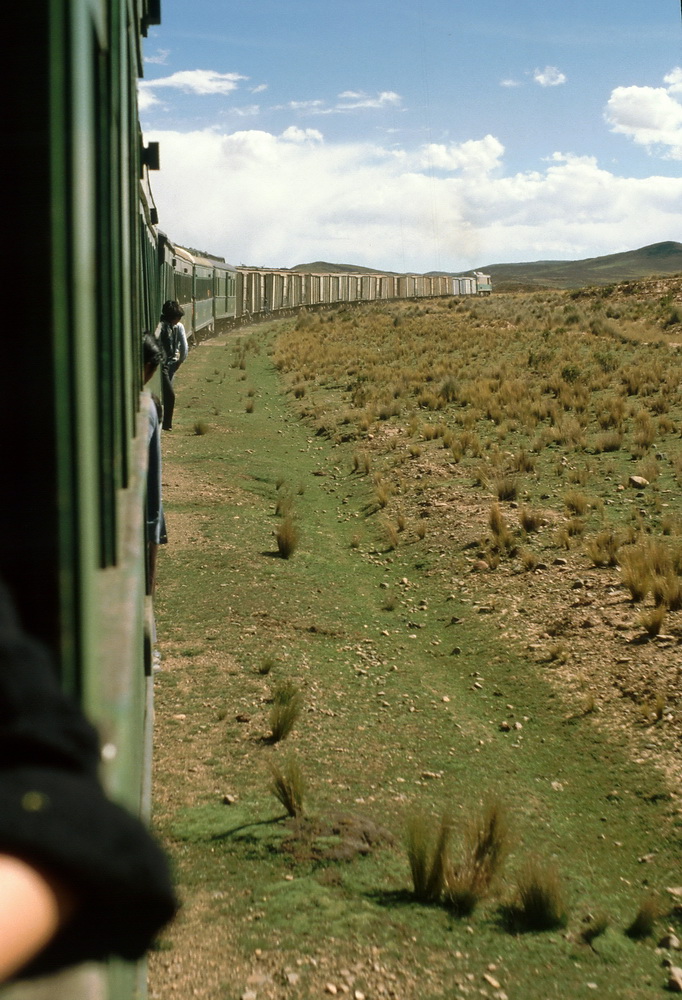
(173, 342)
(55, 815)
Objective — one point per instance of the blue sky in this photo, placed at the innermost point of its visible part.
(417, 136)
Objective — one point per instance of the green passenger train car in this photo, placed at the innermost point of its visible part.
(83, 283)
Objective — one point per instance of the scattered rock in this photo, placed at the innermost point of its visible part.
(229, 800)
(504, 727)
(670, 941)
(639, 481)
(675, 979)
(331, 988)
(491, 981)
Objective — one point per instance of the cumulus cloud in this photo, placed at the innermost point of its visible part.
(510, 83)
(650, 116)
(475, 156)
(277, 200)
(550, 76)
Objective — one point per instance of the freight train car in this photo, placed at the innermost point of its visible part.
(85, 283)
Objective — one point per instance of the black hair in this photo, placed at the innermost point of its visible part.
(151, 352)
(171, 310)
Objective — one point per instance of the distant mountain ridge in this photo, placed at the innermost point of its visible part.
(657, 258)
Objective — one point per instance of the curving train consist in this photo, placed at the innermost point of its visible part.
(89, 272)
(215, 294)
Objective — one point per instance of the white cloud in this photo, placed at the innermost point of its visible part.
(146, 98)
(550, 76)
(352, 100)
(349, 100)
(476, 156)
(192, 81)
(279, 200)
(259, 89)
(295, 134)
(159, 59)
(510, 83)
(650, 116)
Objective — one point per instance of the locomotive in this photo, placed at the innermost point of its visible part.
(89, 271)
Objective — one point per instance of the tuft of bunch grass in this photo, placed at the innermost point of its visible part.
(645, 919)
(636, 574)
(288, 537)
(506, 488)
(540, 902)
(603, 548)
(486, 845)
(287, 704)
(266, 665)
(576, 502)
(530, 520)
(428, 856)
(288, 786)
(652, 620)
(200, 427)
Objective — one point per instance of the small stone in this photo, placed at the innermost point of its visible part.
(639, 481)
(504, 727)
(229, 800)
(249, 995)
(331, 988)
(675, 979)
(518, 725)
(358, 995)
(670, 941)
(491, 981)
(560, 561)
(292, 978)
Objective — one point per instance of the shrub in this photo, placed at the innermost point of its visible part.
(288, 786)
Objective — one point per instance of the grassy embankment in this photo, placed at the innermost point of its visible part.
(410, 445)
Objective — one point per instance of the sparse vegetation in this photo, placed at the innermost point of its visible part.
(288, 786)
(540, 904)
(427, 676)
(644, 922)
(287, 704)
(288, 536)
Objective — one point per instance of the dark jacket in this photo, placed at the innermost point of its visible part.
(55, 815)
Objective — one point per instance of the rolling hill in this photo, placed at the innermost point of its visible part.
(656, 259)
